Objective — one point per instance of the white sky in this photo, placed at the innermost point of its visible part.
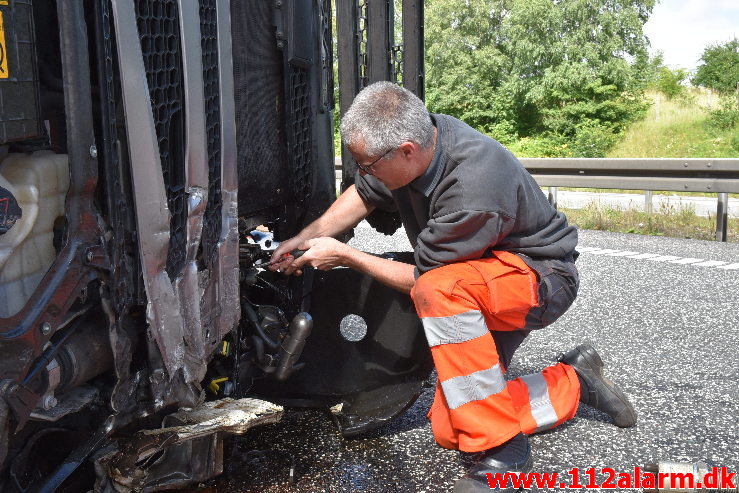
(681, 29)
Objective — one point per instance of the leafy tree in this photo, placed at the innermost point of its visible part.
(647, 69)
(556, 69)
(669, 82)
(719, 68)
(652, 73)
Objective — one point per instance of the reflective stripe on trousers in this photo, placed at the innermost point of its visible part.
(475, 408)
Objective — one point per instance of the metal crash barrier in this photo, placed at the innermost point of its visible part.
(719, 176)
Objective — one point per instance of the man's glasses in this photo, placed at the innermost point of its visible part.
(367, 168)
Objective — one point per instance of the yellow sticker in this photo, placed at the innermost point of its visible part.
(3, 58)
(3, 2)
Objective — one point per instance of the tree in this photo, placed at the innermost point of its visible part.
(552, 68)
(719, 67)
(669, 82)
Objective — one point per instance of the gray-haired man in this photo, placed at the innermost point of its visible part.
(493, 260)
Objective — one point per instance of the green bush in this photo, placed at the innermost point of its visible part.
(719, 68)
(592, 140)
(725, 117)
(538, 68)
(735, 143)
(540, 147)
(669, 82)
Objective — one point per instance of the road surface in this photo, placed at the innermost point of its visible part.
(662, 312)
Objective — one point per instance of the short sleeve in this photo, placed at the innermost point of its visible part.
(374, 192)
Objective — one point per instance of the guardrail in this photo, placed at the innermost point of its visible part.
(719, 176)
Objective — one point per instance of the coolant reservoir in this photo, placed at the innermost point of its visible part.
(39, 183)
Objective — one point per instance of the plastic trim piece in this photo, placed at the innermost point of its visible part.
(152, 212)
(228, 245)
(196, 186)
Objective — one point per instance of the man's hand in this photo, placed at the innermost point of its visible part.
(343, 214)
(322, 253)
(284, 249)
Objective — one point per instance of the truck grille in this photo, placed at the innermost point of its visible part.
(209, 41)
(299, 134)
(159, 33)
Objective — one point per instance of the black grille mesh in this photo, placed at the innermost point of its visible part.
(299, 134)
(260, 108)
(127, 286)
(159, 33)
(209, 41)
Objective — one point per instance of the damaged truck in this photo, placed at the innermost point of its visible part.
(152, 154)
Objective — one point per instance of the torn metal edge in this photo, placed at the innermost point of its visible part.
(152, 212)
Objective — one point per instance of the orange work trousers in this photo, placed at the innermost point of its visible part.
(475, 408)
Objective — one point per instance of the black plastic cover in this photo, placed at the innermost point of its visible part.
(367, 351)
(260, 109)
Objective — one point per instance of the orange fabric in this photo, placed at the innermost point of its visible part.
(564, 394)
(470, 428)
(503, 288)
(454, 360)
(564, 390)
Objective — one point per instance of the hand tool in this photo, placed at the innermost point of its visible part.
(295, 254)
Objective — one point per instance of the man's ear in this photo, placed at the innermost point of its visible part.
(407, 148)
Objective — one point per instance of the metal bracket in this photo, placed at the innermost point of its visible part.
(21, 400)
(280, 35)
(96, 256)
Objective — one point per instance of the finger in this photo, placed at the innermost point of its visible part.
(281, 250)
(277, 253)
(290, 268)
(301, 261)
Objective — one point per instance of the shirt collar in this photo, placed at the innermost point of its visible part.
(430, 178)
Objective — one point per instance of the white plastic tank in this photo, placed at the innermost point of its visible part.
(39, 182)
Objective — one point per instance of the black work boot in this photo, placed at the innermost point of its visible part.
(595, 389)
(513, 456)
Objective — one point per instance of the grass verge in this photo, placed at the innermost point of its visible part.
(677, 128)
(668, 220)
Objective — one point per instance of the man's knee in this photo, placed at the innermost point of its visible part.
(434, 285)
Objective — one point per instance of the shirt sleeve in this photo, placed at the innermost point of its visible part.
(458, 236)
(374, 192)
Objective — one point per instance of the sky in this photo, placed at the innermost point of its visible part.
(681, 29)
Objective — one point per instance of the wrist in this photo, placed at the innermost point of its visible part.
(349, 256)
(304, 236)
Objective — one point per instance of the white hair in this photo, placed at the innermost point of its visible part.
(384, 115)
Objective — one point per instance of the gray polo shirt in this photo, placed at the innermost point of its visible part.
(474, 197)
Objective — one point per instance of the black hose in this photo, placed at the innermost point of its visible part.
(254, 319)
(259, 349)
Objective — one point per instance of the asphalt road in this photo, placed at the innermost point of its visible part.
(667, 326)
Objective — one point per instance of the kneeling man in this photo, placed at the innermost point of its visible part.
(493, 261)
